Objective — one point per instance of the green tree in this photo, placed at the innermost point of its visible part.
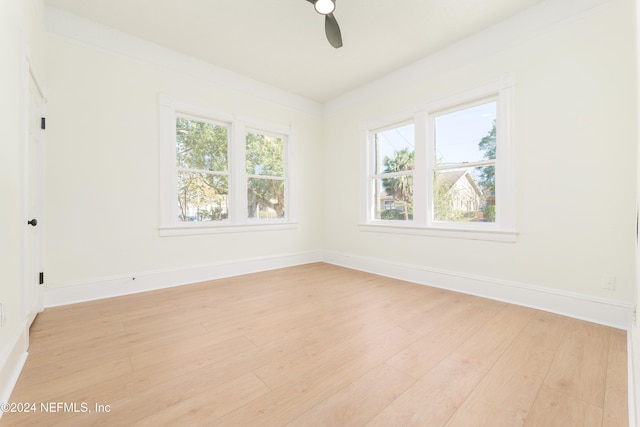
(487, 145)
(443, 198)
(487, 174)
(400, 187)
(265, 167)
(201, 152)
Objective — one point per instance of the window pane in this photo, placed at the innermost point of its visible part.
(464, 195)
(395, 149)
(201, 145)
(264, 155)
(202, 196)
(394, 198)
(467, 135)
(266, 198)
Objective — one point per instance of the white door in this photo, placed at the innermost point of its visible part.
(34, 199)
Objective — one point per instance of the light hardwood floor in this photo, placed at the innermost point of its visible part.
(319, 345)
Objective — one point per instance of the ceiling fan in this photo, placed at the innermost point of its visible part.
(331, 28)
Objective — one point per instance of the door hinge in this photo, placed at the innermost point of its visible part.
(43, 123)
(42, 278)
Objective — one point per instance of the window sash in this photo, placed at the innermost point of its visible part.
(248, 177)
(463, 165)
(207, 171)
(403, 210)
(393, 174)
(432, 167)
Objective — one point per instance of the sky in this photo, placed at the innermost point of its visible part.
(457, 134)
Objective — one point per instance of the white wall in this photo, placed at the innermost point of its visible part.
(575, 140)
(21, 24)
(102, 177)
(10, 160)
(634, 332)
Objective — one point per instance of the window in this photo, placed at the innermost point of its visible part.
(393, 173)
(265, 173)
(445, 169)
(202, 153)
(220, 172)
(464, 188)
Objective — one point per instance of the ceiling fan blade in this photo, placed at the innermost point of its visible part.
(332, 30)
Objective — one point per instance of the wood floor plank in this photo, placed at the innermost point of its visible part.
(210, 404)
(59, 368)
(580, 366)
(304, 324)
(555, 409)
(132, 342)
(268, 320)
(616, 404)
(444, 337)
(359, 401)
(176, 394)
(204, 349)
(506, 394)
(291, 400)
(486, 345)
(320, 345)
(432, 399)
(317, 357)
(35, 360)
(223, 367)
(51, 390)
(59, 337)
(308, 387)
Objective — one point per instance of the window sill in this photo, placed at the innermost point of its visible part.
(456, 233)
(195, 229)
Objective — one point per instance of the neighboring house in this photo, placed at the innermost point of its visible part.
(461, 192)
(387, 202)
(390, 208)
(457, 192)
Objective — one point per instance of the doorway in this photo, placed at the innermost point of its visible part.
(33, 260)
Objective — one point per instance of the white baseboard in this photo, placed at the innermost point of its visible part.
(584, 307)
(12, 360)
(108, 287)
(580, 306)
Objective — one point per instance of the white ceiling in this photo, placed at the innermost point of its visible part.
(282, 42)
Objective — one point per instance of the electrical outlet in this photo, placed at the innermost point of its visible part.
(608, 281)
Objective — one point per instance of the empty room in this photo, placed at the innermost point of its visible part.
(319, 213)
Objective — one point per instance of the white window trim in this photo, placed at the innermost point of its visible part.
(373, 175)
(504, 229)
(237, 220)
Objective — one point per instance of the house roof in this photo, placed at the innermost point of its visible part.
(450, 178)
